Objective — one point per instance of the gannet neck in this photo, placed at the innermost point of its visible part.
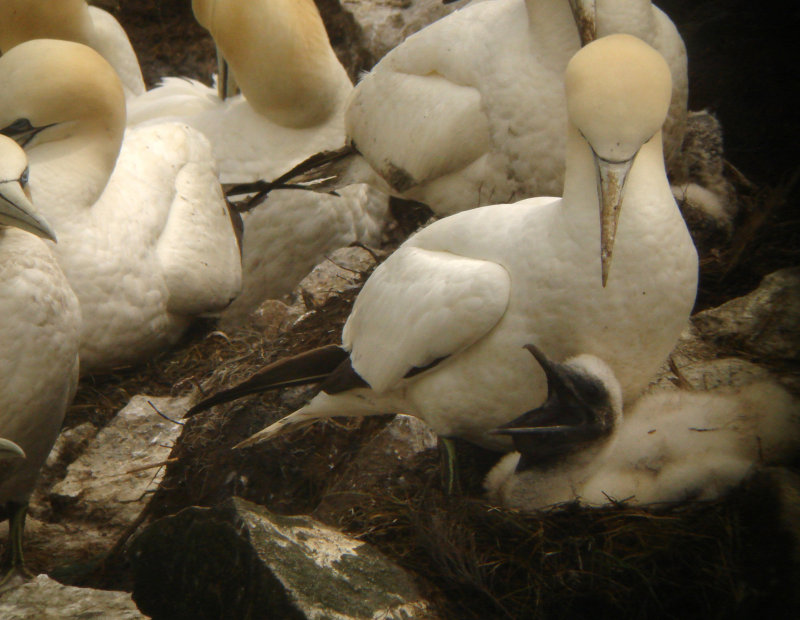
(74, 96)
(547, 16)
(636, 17)
(24, 20)
(280, 55)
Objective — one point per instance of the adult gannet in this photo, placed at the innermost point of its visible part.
(668, 447)
(145, 236)
(438, 329)
(294, 91)
(469, 111)
(39, 337)
(72, 20)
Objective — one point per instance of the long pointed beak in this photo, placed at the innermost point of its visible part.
(226, 82)
(16, 210)
(10, 450)
(584, 12)
(611, 177)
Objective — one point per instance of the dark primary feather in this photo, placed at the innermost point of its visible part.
(309, 367)
(310, 170)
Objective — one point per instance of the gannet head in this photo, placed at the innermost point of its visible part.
(582, 410)
(15, 205)
(24, 20)
(54, 90)
(10, 450)
(618, 91)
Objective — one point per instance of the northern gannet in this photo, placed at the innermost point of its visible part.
(668, 447)
(39, 337)
(145, 236)
(438, 329)
(72, 20)
(469, 111)
(294, 91)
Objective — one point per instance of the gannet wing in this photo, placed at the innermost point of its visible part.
(198, 248)
(421, 306)
(407, 147)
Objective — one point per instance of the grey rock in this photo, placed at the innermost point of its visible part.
(339, 273)
(45, 599)
(386, 23)
(764, 324)
(112, 481)
(240, 561)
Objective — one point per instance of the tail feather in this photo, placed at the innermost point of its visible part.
(294, 421)
(309, 367)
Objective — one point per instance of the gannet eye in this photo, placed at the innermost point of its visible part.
(23, 179)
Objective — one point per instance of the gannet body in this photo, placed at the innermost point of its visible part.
(72, 20)
(145, 236)
(438, 329)
(39, 337)
(294, 91)
(469, 111)
(668, 447)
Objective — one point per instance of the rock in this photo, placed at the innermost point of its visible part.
(344, 270)
(764, 324)
(240, 561)
(386, 23)
(111, 482)
(45, 599)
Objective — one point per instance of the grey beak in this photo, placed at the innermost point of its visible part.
(611, 177)
(10, 450)
(16, 210)
(584, 13)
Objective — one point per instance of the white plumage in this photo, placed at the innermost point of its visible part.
(145, 236)
(294, 91)
(470, 110)
(72, 20)
(39, 336)
(462, 296)
(668, 447)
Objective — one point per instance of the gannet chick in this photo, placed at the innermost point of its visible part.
(39, 337)
(438, 329)
(294, 91)
(72, 20)
(668, 447)
(469, 111)
(145, 237)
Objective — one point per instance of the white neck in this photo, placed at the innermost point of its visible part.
(68, 176)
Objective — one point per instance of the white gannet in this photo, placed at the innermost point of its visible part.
(668, 447)
(39, 337)
(294, 91)
(72, 20)
(469, 111)
(438, 329)
(145, 236)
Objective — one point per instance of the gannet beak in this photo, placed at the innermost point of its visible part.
(10, 450)
(226, 82)
(571, 416)
(584, 13)
(22, 132)
(16, 210)
(611, 176)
